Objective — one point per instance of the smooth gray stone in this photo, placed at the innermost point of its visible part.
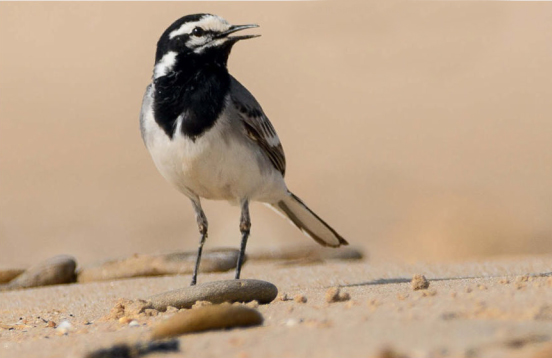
(216, 292)
(54, 271)
(218, 260)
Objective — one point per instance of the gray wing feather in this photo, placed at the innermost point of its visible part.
(257, 126)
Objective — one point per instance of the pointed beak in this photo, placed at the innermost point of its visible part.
(235, 28)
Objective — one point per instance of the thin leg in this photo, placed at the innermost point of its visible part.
(245, 226)
(202, 225)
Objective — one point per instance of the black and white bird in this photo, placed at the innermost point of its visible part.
(210, 138)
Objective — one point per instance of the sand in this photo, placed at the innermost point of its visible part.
(493, 308)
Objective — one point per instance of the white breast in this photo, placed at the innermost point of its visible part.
(222, 164)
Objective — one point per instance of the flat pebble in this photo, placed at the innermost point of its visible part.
(419, 282)
(312, 253)
(207, 318)
(8, 274)
(54, 271)
(219, 260)
(216, 292)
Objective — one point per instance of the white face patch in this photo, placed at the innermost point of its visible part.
(200, 48)
(164, 65)
(207, 23)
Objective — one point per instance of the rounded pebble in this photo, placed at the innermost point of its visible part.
(334, 294)
(219, 260)
(419, 282)
(207, 318)
(54, 271)
(64, 327)
(216, 292)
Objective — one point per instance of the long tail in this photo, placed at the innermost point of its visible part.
(308, 222)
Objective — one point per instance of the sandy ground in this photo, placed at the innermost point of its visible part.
(420, 130)
(498, 308)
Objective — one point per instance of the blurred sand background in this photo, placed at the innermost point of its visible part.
(420, 130)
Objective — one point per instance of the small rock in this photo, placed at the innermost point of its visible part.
(219, 260)
(334, 294)
(64, 327)
(300, 298)
(51, 324)
(125, 320)
(134, 323)
(344, 296)
(216, 292)
(54, 271)
(419, 282)
(207, 318)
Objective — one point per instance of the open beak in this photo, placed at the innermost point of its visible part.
(235, 28)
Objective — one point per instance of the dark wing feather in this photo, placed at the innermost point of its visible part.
(257, 126)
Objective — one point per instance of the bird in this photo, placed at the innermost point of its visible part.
(210, 138)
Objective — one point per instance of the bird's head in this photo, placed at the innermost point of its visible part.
(199, 38)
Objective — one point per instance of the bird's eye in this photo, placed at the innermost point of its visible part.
(198, 31)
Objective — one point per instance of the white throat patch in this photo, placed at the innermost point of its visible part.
(165, 65)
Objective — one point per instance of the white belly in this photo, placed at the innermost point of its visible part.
(218, 165)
